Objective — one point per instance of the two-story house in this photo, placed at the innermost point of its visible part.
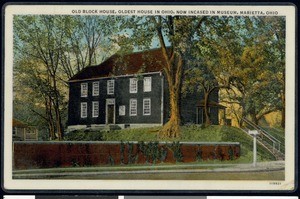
(129, 91)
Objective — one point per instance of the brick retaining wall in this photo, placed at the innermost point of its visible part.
(30, 155)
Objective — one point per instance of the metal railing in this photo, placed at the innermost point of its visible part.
(265, 136)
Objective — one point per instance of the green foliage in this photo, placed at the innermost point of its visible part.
(199, 154)
(152, 152)
(74, 163)
(163, 154)
(195, 133)
(236, 135)
(62, 46)
(131, 156)
(122, 151)
(177, 154)
(278, 133)
(230, 153)
(155, 152)
(111, 160)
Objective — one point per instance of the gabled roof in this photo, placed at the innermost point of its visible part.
(116, 65)
(17, 123)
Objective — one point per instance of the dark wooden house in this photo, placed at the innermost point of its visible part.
(129, 91)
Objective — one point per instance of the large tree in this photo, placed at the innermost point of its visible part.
(211, 59)
(49, 50)
(174, 35)
(245, 53)
(42, 39)
(258, 76)
(89, 42)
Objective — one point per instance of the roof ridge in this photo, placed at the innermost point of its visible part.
(120, 64)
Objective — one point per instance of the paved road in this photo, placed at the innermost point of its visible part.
(263, 170)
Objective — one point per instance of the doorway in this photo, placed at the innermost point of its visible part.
(110, 114)
(110, 111)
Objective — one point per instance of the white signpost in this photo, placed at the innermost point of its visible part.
(254, 133)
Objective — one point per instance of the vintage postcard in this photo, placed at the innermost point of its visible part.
(149, 97)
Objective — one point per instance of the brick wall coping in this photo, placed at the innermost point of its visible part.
(118, 142)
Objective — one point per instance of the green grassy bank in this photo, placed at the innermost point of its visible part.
(191, 133)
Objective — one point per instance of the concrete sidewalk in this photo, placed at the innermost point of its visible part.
(203, 168)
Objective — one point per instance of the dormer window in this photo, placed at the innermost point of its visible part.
(147, 84)
(133, 85)
(84, 89)
(95, 88)
(110, 87)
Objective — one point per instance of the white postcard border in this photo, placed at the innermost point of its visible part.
(288, 184)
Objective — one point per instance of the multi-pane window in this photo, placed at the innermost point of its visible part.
(147, 84)
(133, 86)
(83, 109)
(133, 107)
(95, 109)
(147, 106)
(95, 88)
(84, 89)
(110, 87)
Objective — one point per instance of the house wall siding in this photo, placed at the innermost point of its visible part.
(188, 105)
(121, 96)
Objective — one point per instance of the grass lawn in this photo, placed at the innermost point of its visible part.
(191, 133)
(278, 133)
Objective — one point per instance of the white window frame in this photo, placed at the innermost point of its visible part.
(147, 88)
(132, 107)
(83, 114)
(84, 89)
(110, 87)
(133, 85)
(95, 88)
(95, 112)
(144, 106)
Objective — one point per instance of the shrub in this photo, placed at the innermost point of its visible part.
(177, 154)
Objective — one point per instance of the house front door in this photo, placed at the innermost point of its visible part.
(110, 111)
(110, 114)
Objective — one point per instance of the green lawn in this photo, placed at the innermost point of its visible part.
(192, 133)
(278, 133)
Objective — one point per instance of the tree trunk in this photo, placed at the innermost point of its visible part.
(172, 128)
(240, 121)
(206, 112)
(59, 129)
(58, 122)
(49, 115)
(254, 118)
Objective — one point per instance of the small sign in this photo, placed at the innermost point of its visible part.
(122, 110)
(253, 132)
